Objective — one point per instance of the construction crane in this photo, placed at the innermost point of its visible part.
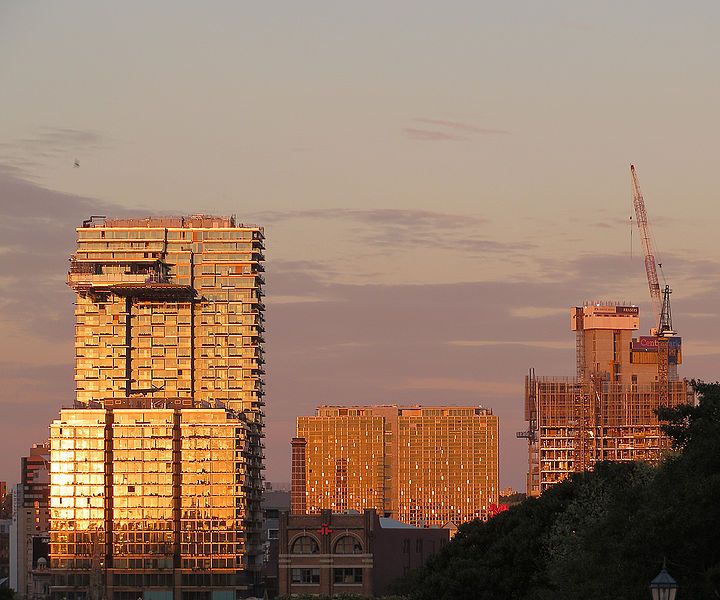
(644, 227)
(661, 305)
(664, 333)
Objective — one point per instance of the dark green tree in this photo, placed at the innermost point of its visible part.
(602, 534)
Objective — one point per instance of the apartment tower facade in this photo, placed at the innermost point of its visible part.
(607, 411)
(419, 465)
(29, 535)
(156, 469)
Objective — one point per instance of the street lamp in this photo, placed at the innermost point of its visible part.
(663, 587)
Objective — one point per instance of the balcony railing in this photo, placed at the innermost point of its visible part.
(111, 279)
(106, 278)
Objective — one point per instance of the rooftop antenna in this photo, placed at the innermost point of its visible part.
(89, 222)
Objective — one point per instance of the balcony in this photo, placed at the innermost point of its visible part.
(90, 280)
(152, 284)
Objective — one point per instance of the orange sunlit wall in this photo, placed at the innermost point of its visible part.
(420, 465)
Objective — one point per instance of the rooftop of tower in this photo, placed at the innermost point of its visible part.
(190, 221)
(608, 303)
(330, 410)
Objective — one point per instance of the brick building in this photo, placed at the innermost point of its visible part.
(353, 553)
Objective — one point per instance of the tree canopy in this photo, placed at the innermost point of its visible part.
(601, 534)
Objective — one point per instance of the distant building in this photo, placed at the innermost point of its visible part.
(40, 580)
(606, 412)
(156, 470)
(6, 509)
(5, 526)
(431, 465)
(510, 497)
(274, 503)
(30, 533)
(350, 553)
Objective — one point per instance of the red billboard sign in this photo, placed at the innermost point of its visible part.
(649, 343)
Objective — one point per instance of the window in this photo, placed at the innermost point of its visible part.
(305, 545)
(348, 575)
(348, 545)
(306, 576)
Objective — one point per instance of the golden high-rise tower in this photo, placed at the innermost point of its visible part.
(156, 471)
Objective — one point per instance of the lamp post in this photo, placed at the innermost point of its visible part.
(663, 587)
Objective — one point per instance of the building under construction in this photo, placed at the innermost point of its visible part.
(607, 411)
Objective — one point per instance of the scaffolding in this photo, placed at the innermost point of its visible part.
(579, 424)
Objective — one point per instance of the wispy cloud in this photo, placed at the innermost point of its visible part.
(37, 229)
(59, 139)
(295, 299)
(49, 144)
(496, 388)
(700, 348)
(537, 312)
(434, 130)
(549, 344)
(390, 228)
(400, 216)
(427, 135)
(457, 126)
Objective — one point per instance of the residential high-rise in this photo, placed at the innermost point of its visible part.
(156, 471)
(169, 308)
(420, 465)
(30, 526)
(606, 412)
(152, 499)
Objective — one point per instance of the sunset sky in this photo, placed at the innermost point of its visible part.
(439, 182)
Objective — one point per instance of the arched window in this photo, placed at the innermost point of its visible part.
(347, 544)
(305, 545)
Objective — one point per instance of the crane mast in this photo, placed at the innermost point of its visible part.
(661, 305)
(650, 268)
